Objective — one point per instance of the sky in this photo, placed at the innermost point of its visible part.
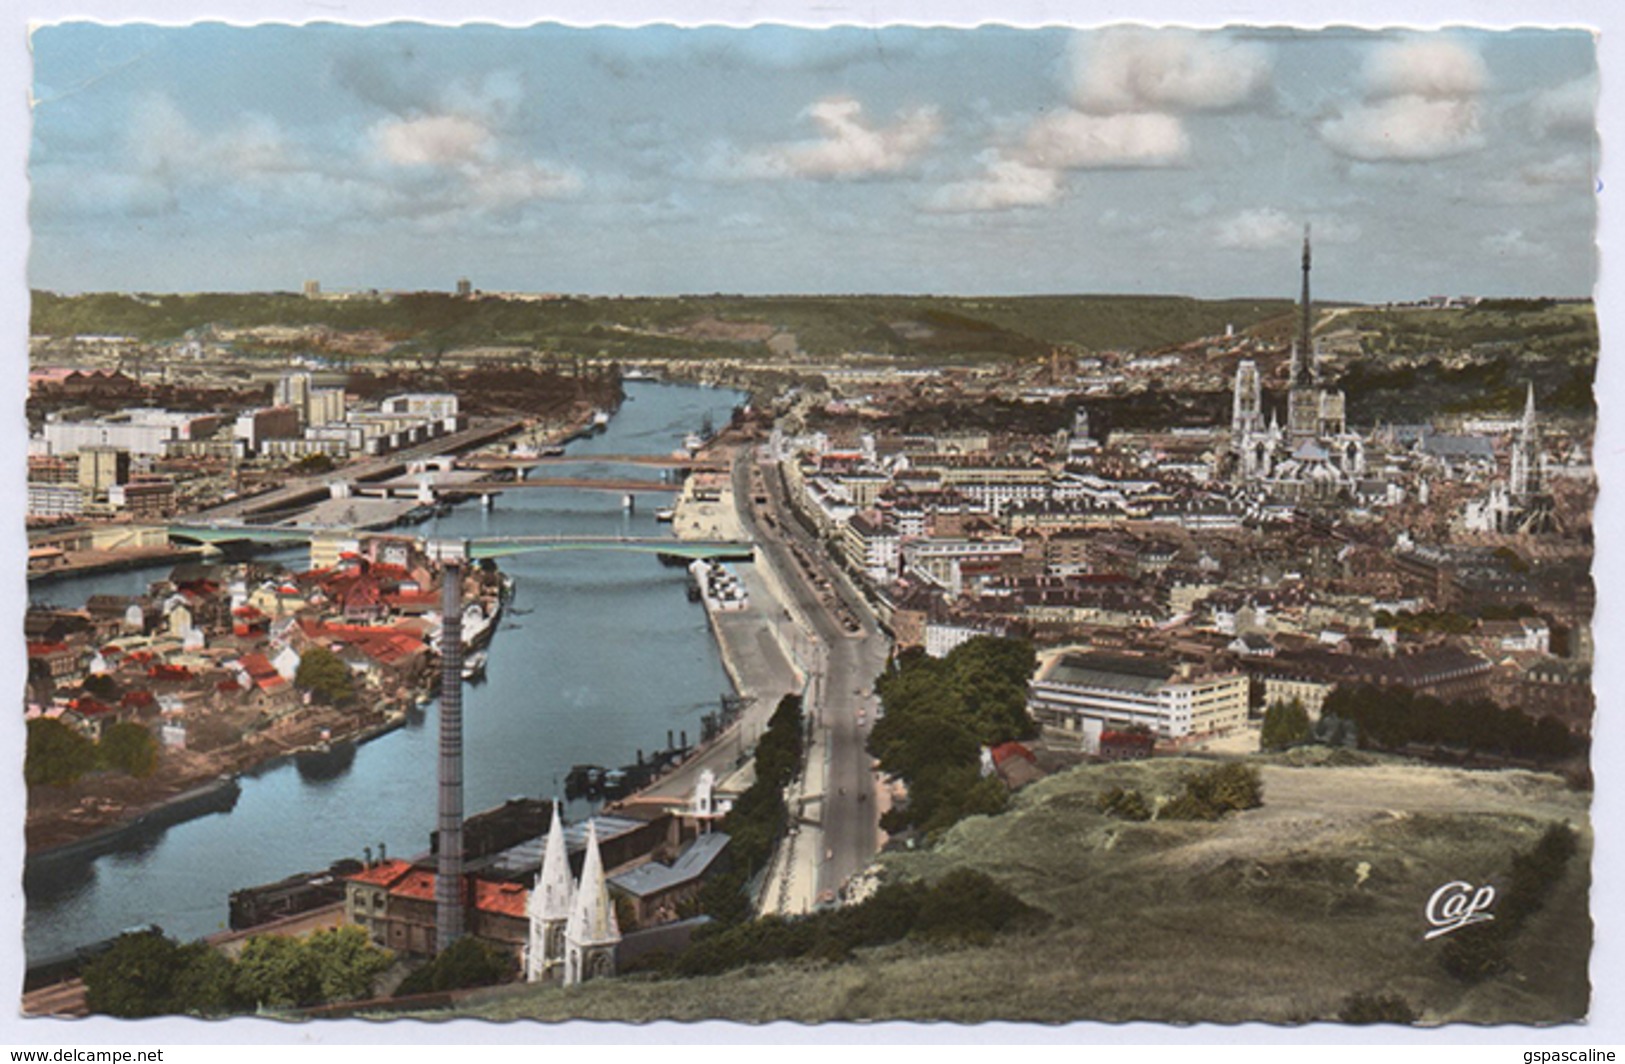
(660, 160)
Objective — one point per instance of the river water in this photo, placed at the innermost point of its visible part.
(600, 655)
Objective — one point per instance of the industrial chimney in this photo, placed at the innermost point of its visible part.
(449, 878)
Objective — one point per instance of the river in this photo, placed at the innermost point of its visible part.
(600, 655)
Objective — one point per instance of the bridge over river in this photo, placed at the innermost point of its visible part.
(490, 546)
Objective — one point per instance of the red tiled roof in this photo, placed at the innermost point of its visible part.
(382, 874)
(89, 707)
(503, 899)
(1005, 751)
(418, 884)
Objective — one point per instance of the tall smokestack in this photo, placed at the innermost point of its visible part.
(449, 881)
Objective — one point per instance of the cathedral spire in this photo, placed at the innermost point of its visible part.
(549, 907)
(551, 898)
(1304, 326)
(593, 931)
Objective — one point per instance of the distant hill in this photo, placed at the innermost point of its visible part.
(1278, 914)
(689, 326)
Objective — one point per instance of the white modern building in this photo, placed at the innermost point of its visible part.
(1086, 693)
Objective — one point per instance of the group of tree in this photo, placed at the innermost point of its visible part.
(965, 905)
(1285, 724)
(758, 817)
(466, 963)
(146, 973)
(325, 675)
(1392, 717)
(939, 713)
(1479, 951)
(1205, 795)
(57, 754)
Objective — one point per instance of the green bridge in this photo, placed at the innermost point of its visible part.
(488, 547)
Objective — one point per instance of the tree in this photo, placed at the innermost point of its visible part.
(57, 755)
(129, 747)
(324, 674)
(345, 963)
(205, 983)
(135, 978)
(1285, 724)
(276, 972)
(468, 962)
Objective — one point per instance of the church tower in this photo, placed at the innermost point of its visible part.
(592, 932)
(549, 909)
(1247, 420)
(1526, 452)
(1303, 399)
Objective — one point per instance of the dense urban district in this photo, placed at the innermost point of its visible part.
(1094, 658)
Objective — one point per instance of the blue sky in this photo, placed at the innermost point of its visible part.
(663, 160)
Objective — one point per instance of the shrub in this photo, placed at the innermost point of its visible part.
(1210, 794)
(1123, 804)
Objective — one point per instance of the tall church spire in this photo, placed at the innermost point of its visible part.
(593, 931)
(1304, 327)
(549, 907)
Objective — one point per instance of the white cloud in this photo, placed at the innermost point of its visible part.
(464, 148)
(161, 140)
(506, 184)
(1132, 69)
(1421, 102)
(1268, 228)
(1406, 129)
(1431, 69)
(1130, 88)
(850, 147)
(1006, 184)
(431, 140)
(1567, 108)
(1254, 230)
(1071, 140)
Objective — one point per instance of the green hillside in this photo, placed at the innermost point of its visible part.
(1277, 914)
(692, 326)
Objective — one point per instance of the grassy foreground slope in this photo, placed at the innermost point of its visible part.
(1277, 914)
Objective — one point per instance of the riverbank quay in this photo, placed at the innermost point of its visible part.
(769, 649)
(756, 650)
(56, 565)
